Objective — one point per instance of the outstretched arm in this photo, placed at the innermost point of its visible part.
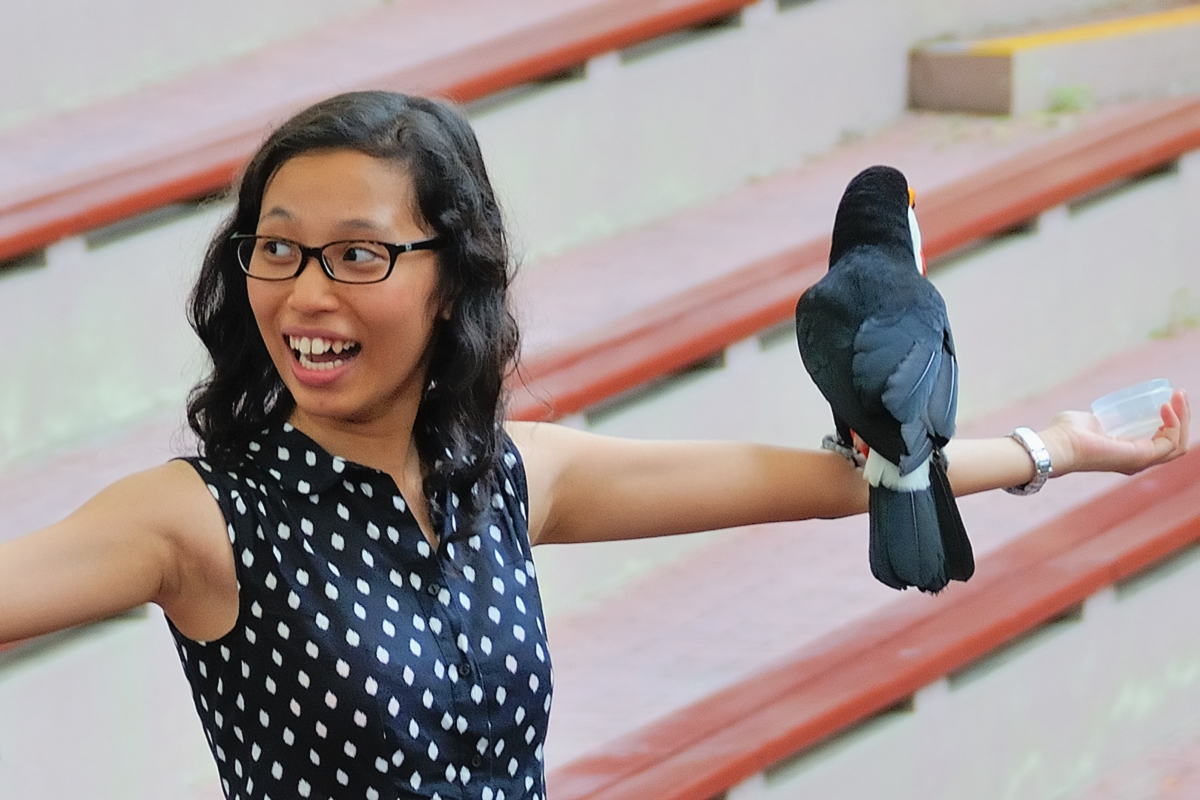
(584, 487)
(157, 536)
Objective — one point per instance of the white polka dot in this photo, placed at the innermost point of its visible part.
(342, 668)
(331, 700)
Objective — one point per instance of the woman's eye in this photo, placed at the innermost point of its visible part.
(276, 249)
(359, 254)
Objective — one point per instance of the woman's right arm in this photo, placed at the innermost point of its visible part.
(157, 536)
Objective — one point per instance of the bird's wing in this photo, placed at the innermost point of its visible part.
(943, 401)
(903, 363)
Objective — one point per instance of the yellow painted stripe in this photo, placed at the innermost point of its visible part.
(1144, 23)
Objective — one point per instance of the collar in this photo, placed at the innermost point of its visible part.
(297, 462)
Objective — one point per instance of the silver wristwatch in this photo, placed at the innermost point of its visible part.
(1041, 461)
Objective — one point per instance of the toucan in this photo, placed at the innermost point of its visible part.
(874, 336)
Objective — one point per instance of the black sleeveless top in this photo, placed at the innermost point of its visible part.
(365, 663)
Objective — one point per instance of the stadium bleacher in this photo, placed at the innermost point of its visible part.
(739, 700)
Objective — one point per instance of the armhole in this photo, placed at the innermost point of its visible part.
(513, 468)
(220, 486)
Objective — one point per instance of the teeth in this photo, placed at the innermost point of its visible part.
(320, 366)
(315, 346)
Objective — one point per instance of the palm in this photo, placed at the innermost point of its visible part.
(1088, 447)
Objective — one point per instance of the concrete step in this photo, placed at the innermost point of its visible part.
(1141, 56)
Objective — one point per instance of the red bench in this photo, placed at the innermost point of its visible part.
(189, 136)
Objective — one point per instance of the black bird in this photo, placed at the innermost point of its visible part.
(874, 336)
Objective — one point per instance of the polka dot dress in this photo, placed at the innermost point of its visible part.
(365, 663)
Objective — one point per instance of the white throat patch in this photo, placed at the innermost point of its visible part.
(915, 231)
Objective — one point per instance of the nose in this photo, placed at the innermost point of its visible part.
(312, 289)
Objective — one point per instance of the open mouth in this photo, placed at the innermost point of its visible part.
(322, 354)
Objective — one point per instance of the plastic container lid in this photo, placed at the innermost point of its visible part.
(1134, 412)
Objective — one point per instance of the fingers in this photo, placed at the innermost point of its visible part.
(1171, 441)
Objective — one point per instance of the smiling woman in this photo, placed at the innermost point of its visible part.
(346, 566)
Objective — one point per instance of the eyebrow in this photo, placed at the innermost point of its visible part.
(355, 224)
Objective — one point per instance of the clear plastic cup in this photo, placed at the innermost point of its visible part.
(1133, 412)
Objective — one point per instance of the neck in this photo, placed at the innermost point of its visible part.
(385, 443)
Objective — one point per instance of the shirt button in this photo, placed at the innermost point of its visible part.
(465, 671)
(476, 760)
(432, 589)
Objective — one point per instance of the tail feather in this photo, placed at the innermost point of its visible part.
(906, 546)
(960, 561)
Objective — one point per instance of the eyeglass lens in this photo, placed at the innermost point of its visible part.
(279, 259)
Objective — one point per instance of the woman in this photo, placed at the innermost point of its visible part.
(346, 569)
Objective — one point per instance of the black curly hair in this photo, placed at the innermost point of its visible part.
(457, 429)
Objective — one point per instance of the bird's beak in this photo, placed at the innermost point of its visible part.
(912, 197)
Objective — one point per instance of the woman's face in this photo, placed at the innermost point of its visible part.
(348, 353)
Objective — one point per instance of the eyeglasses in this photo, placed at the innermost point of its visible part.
(270, 258)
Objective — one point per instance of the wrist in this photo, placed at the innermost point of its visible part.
(1040, 457)
(1058, 444)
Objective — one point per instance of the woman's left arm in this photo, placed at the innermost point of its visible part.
(584, 487)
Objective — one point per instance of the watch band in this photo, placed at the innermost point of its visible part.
(1036, 448)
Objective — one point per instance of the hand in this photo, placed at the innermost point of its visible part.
(1078, 443)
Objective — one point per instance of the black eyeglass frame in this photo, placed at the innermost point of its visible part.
(394, 251)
